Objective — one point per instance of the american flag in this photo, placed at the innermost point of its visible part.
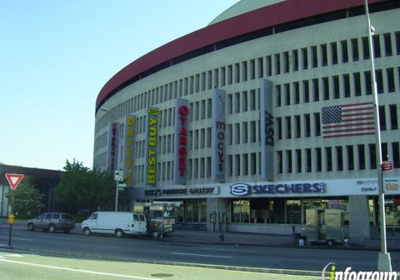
(347, 120)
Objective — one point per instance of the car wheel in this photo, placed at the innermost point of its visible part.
(86, 231)
(119, 233)
(31, 227)
(52, 228)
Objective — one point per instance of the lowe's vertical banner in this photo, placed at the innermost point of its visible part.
(218, 136)
(266, 130)
(112, 147)
(150, 170)
(181, 138)
(129, 149)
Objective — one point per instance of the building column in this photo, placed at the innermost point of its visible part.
(359, 217)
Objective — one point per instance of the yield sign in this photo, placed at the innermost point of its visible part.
(14, 179)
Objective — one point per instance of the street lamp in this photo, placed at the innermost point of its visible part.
(117, 180)
(384, 262)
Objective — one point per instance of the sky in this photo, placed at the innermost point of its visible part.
(55, 56)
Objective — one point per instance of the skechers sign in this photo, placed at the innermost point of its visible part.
(296, 188)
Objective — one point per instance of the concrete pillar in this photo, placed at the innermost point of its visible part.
(359, 217)
(218, 208)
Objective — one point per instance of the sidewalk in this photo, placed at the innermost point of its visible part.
(247, 239)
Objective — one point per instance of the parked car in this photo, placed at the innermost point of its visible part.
(117, 223)
(52, 222)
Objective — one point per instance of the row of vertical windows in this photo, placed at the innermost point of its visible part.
(337, 87)
(387, 44)
(309, 125)
(338, 158)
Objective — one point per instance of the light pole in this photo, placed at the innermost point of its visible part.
(117, 180)
(384, 262)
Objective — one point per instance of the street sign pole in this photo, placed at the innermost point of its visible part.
(13, 180)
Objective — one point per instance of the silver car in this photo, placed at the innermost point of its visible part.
(52, 222)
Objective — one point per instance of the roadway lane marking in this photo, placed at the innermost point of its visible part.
(17, 238)
(199, 255)
(230, 250)
(79, 270)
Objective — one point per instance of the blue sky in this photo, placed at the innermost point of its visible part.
(55, 56)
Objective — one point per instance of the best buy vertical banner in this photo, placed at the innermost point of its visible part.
(150, 171)
(266, 130)
(129, 144)
(181, 139)
(218, 136)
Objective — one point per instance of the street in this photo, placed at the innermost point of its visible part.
(161, 251)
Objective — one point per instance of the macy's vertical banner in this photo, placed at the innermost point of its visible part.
(129, 149)
(150, 170)
(266, 130)
(181, 138)
(218, 136)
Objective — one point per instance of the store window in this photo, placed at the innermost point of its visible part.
(241, 211)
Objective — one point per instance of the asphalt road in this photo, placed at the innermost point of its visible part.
(149, 250)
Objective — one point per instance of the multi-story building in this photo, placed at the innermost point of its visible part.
(264, 113)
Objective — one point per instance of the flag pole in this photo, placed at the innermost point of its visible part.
(384, 262)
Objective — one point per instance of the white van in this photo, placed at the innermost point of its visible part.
(117, 223)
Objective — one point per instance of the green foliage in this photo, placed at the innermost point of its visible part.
(26, 199)
(83, 188)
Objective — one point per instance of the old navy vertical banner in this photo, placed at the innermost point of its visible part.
(181, 139)
(218, 165)
(112, 159)
(150, 170)
(266, 130)
(129, 144)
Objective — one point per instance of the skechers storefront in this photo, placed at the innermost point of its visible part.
(279, 208)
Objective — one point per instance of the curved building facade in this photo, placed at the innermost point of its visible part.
(261, 115)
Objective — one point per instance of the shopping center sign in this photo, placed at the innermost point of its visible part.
(242, 189)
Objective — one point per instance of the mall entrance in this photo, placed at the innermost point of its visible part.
(194, 214)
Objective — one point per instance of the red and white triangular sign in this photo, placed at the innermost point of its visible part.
(14, 179)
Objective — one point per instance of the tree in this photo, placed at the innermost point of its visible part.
(27, 199)
(82, 188)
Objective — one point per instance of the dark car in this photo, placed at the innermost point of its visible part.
(52, 222)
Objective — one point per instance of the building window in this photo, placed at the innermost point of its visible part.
(306, 91)
(393, 117)
(329, 161)
(334, 53)
(308, 160)
(365, 47)
(346, 82)
(354, 48)
(324, 53)
(286, 62)
(361, 157)
(279, 124)
(368, 82)
(316, 89)
(317, 121)
(304, 58)
(277, 64)
(314, 54)
(289, 161)
(288, 125)
(297, 126)
(390, 79)
(372, 156)
(336, 87)
(280, 162)
(307, 125)
(295, 58)
(377, 46)
(388, 44)
(382, 118)
(396, 154)
(357, 84)
(339, 158)
(287, 94)
(350, 157)
(318, 153)
(278, 96)
(298, 161)
(345, 52)
(325, 82)
(296, 88)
